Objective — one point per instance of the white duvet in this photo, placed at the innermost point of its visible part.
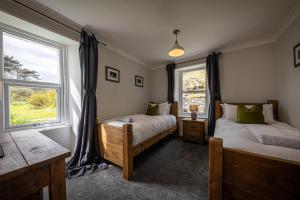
(244, 137)
(144, 126)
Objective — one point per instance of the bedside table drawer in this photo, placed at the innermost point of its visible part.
(194, 133)
(191, 126)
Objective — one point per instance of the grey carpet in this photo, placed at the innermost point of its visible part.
(171, 169)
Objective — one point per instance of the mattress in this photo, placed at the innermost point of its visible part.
(241, 137)
(144, 126)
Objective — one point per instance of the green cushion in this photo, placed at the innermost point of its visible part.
(152, 109)
(253, 115)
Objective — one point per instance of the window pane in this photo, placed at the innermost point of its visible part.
(193, 80)
(194, 98)
(31, 105)
(193, 90)
(28, 60)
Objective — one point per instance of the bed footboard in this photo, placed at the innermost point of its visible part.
(235, 174)
(116, 146)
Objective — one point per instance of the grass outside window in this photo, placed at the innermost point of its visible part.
(32, 105)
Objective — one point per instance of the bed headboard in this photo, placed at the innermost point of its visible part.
(219, 109)
(174, 108)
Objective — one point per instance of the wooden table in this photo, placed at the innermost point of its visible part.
(32, 161)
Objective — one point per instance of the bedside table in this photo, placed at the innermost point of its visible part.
(194, 130)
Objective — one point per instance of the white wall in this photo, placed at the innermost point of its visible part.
(248, 75)
(288, 77)
(74, 97)
(74, 86)
(160, 85)
(116, 99)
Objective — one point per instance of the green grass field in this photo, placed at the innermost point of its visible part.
(23, 113)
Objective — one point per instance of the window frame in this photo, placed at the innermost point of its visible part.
(60, 87)
(201, 66)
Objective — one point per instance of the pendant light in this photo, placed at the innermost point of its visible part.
(176, 50)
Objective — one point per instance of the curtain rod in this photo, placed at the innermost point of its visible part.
(55, 20)
(194, 59)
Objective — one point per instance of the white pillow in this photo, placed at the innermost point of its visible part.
(268, 113)
(164, 108)
(168, 107)
(230, 112)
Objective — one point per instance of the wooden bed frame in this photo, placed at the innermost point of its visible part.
(116, 143)
(235, 174)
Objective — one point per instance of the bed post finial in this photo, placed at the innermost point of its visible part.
(174, 108)
(218, 112)
(275, 107)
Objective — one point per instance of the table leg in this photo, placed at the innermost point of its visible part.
(57, 187)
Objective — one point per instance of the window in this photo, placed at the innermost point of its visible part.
(32, 73)
(192, 89)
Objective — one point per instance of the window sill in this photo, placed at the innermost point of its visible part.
(53, 127)
(40, 128)
(189, 115)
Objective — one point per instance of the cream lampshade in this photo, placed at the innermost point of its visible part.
(176, 49)
(194, 110)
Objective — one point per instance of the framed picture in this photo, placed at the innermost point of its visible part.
(112, 74)
(139, 81)
(297, 55)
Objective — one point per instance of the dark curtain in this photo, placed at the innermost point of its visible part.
(86, 158)
(212, 64)
(171, 81)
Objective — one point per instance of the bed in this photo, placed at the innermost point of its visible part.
(242, 168)
(120, 140)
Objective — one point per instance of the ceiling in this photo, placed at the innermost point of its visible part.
(142, 29)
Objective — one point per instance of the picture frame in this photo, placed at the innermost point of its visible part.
(112, 74)
(139, 81)
(297, 55)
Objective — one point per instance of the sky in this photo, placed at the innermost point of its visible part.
(34, 56)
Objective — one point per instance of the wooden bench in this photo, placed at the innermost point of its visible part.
(32, 161)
